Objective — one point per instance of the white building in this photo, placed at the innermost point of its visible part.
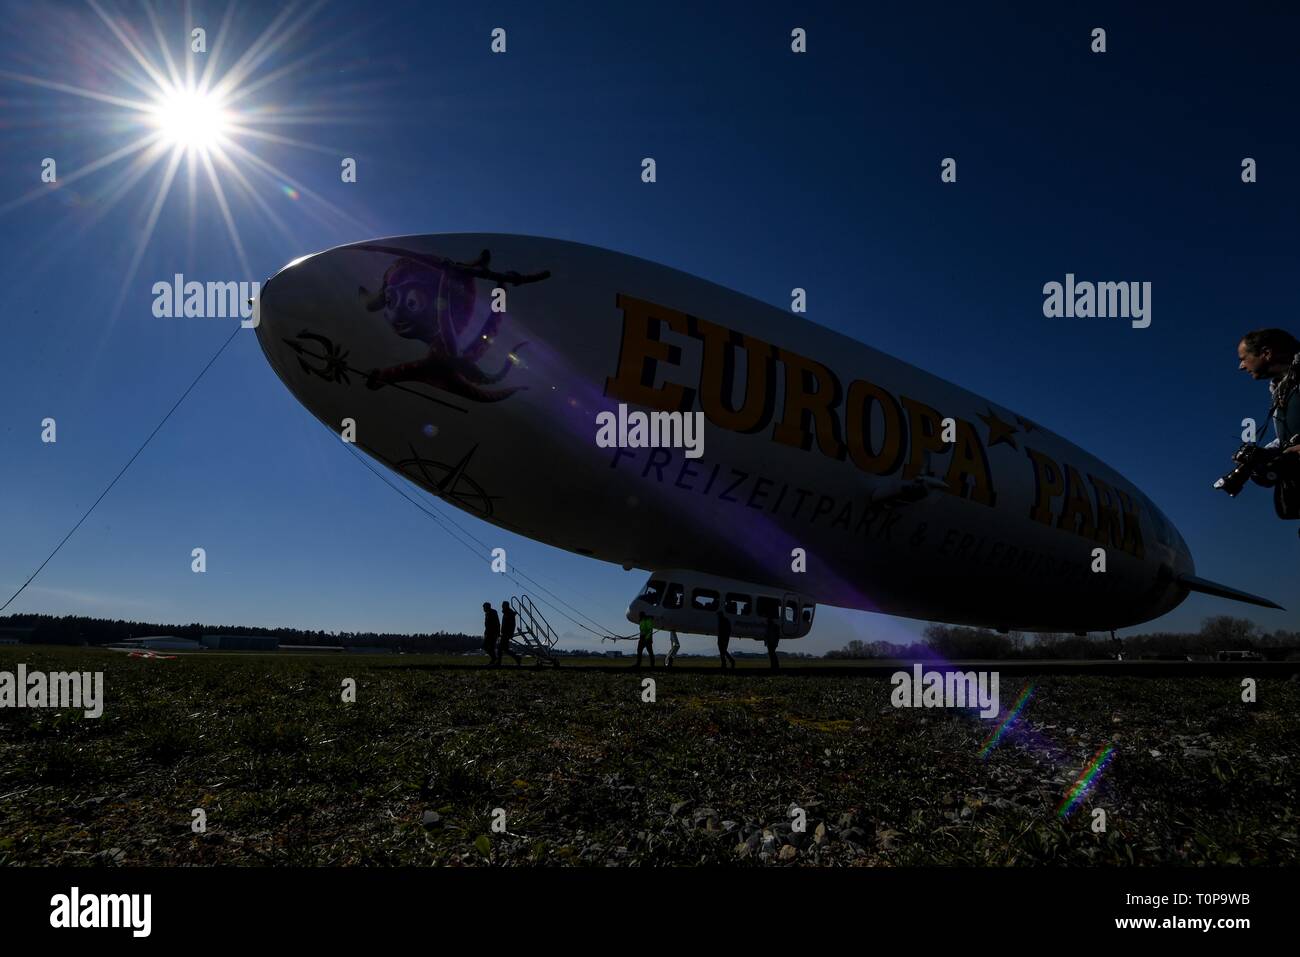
(161, 643)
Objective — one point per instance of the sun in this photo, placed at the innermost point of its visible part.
(208, 118)
(190, 119)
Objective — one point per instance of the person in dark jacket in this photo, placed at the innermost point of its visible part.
(724, 639)
(771, 635)
(491, 633)
(1274, 354)
(507, 632)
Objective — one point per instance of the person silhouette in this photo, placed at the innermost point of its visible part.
(724, 639)
(491, 632)
(646, 643)
(507, 632)
(771, 635)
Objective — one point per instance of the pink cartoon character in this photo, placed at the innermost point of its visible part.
(432, 299)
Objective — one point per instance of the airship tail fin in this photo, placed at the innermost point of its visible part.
(1207, 587)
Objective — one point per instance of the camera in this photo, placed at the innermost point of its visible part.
(1260, 465)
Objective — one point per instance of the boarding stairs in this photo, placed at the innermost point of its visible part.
(534, 632)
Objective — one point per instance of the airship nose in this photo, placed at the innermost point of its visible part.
(284, 299)
(316, 337)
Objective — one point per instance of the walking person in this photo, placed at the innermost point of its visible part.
(491, 633)
(771, 635)
(507, 632)
(724, 639)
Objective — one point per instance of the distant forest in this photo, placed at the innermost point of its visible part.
(1220, 633)
(76, 630)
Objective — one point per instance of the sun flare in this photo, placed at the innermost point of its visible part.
(191, 119)
(211, 120)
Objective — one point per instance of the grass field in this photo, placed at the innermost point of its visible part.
(588, 773)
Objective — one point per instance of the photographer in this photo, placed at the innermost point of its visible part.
(1274, 354)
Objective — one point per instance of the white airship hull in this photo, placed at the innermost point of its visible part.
(824, 471)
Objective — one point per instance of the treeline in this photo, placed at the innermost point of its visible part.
(77, 630)
(1219, 633)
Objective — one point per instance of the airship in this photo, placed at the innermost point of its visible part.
(746, 458)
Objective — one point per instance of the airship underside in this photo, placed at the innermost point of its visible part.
(477, 365)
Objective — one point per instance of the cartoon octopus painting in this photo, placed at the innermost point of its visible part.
(432, 299)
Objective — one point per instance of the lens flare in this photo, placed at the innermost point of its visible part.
(1083, 784)
(1014, 713)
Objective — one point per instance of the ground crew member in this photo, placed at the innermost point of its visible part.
(676, 647)
(507, 632)
(491, 632)
(645, 644)
(724, 639)
(771, 635)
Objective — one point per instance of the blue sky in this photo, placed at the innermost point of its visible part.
(774, 170)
